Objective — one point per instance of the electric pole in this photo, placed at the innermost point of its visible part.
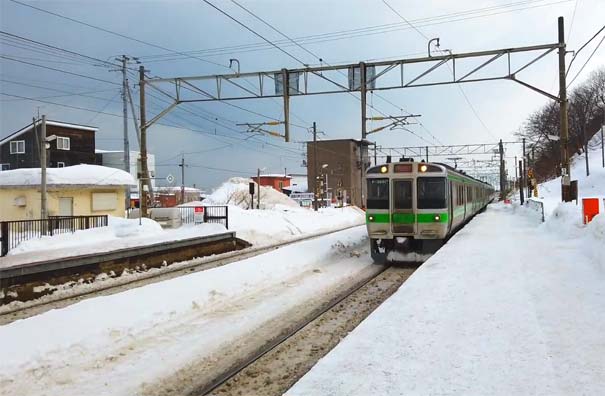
(43, 208)
(602, 147)
(258, 183)
(124, 59)
(144, 171)
(315, 190)
(182, 165)
(565, 169)
(524, 172)
(502, 175)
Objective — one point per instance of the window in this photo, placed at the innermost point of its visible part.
(17, 147)
(378, 194)
(402, 194)
(60, 164)
(431, 193)
(62, 143)
(5, 167)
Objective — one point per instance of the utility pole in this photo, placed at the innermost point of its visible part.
(258, 183)
(520, 182)
(43, 208)
(524, 171)
(124, 59)
(427, 152)
(602, 147)
(182, 165)
(565, 169)
(585, 148)
(502, 175)
(375, 155)
(144, 171)
(315, 191)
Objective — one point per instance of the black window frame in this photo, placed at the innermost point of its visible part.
(420, 204)
(381, 202)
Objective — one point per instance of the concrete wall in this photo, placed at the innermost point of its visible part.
(344, 167)
(82, 202)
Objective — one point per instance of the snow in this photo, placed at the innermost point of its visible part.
(236, 192)
(77, 175)
(119, 234)
(126, 342)
(588, 186)
(508, 306)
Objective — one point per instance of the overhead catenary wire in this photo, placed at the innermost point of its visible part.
(587, 60)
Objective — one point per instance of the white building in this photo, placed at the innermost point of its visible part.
(115, 159)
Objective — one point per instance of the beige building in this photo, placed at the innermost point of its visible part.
(340, 162)
(71, 191)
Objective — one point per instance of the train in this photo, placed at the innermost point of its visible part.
(412, 208)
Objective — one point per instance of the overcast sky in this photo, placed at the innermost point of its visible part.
(214, 147)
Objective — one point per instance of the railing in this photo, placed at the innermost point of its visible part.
(14, 232)
(537, 206)
(217, 214)
(187, 214)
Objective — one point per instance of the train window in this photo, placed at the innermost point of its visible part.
(378, 194)
(402, 194)
(431, 193)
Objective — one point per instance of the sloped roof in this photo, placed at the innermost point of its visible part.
(78, 175)
(48, 122)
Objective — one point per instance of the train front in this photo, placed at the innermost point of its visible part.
(407, 211)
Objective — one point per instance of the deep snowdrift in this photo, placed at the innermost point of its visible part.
(236, 192)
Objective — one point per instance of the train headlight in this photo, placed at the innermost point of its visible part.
(384, 169)
(437, 217)
(423, 168)
(370, 218)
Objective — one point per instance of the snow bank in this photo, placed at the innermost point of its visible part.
(506, 307)
(76, 175)
(588, 186)
(119, 234)
(236, 192)
(261, 227)
(117, 344)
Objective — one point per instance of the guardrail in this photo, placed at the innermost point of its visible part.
(537, 206)
(14, 232)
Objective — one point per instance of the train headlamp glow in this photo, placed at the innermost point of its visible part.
(423, 168)
(384, 169)
(437, 217)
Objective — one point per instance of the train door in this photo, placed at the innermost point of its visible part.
(403, 220)
(450, 204)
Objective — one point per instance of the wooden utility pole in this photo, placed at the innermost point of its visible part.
(124, 61)
(524, 172)
(565, 168)
(520, 182)
(258, 183)
(144, 171)
(315, 190)
(182, 165)
(502, 174)
(602, 147)
(43, 201)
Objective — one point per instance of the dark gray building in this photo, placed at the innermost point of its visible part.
(341, 162)
(74, 144)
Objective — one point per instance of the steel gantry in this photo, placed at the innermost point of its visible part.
(370, 76)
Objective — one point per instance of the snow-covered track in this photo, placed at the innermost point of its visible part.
(71, 295)
(277, 365)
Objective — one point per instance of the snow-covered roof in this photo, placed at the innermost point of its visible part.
(48, 122)
(281, 175)
(77, 175)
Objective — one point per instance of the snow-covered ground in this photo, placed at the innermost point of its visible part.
(126, 342)
(588, 187)
(509, 306)
(259, 227)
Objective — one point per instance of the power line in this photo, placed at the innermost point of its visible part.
(587, 60)
(58, 70)
(405, 20)
(582, 47)
(113, 33)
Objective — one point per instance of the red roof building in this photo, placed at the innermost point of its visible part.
(276, 181)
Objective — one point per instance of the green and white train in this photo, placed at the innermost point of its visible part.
(413, 208)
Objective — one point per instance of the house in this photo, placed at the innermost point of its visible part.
(71, 144)
(115, 159)
(71, 191)
(276, 181)
(171, 195)
(339, 163)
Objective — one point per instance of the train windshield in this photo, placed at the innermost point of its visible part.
(378, 193)
(402, 194)
(431, 193)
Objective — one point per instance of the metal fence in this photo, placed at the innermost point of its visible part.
(217, 214)
(14, 232)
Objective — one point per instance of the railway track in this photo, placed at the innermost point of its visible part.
(273, 368)
(14, 312)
